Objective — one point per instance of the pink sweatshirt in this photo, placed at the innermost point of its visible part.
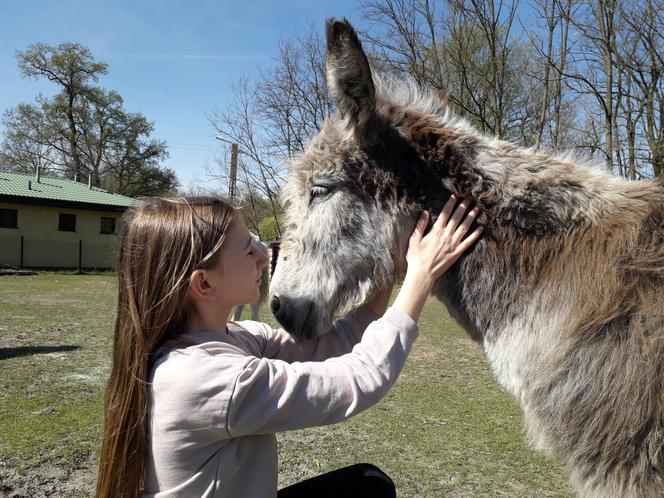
(218, 404)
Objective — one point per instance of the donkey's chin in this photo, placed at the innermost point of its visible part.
(317, 327)
(301, 318)
(312, 327)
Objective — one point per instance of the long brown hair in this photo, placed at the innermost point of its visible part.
(164, 241)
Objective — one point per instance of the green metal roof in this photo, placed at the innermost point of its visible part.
(58, 189)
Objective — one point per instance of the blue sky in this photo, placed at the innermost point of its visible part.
(175, 62)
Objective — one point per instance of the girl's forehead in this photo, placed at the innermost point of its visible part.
(238, 234)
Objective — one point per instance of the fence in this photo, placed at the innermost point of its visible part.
(27, 252)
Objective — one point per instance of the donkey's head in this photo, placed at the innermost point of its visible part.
(351, 199)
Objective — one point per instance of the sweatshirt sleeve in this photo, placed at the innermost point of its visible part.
(272, 395)
(345, 333)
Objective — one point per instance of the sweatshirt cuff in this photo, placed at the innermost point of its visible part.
(401, 320)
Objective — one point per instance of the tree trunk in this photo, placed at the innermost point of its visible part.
(544, 105)
(73, 145)
(565, 20)
(438, 73)
(605, 10)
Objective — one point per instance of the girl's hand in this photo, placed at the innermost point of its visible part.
(430, 255)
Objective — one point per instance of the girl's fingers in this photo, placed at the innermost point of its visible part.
(420, 226)
(470, 240)
(465, 225)
(457, 216)
(445, 213)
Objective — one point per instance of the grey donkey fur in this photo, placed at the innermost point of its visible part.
(565, 291)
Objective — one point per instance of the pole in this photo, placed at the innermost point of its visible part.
(232, 186)
(80, 256)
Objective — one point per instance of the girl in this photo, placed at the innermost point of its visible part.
(193, 401)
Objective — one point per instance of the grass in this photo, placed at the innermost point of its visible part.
(446, 429)
(54, 358)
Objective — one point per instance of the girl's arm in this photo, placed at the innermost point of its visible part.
(346, 333)
(273, 395)
(263, 395)
(218, 391)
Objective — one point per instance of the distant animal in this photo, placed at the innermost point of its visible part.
(565, 291)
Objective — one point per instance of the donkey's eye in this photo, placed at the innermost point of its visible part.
(319, 191)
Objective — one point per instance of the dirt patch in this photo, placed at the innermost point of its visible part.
(50, 480)
(17, 273)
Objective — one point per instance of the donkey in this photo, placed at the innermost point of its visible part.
(565, 290)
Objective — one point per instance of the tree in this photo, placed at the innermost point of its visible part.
(28, 142)
(642, 61)
(72, 67)
(267, 229)
(466, 47)
(271, 120)
(132, 158)
(82, 130)
(587, 77)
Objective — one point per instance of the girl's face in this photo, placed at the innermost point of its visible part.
(238, 273)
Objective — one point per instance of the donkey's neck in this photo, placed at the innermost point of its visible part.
(529, 202)
(526, 190)
(554, 227)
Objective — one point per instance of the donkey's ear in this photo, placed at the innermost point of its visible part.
(349, 78)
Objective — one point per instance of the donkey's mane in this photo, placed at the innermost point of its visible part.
(583, 187)
(546, 211)
(408, 94)
(405, 92)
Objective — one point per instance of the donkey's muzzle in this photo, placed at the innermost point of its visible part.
(294, 315)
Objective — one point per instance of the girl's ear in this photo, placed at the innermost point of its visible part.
(199, 286)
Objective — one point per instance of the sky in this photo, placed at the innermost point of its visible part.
(175, 62)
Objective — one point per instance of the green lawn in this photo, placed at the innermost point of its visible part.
(446, 429)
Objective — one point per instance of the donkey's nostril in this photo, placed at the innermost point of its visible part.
(274, 304)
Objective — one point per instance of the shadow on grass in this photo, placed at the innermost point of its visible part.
(30, 350)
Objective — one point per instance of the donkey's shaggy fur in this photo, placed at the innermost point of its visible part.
(565, 291)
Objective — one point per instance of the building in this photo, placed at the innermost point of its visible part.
(57, 223)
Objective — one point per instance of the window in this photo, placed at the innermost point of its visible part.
(8, 218)
(107, 225)
(67, 222)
